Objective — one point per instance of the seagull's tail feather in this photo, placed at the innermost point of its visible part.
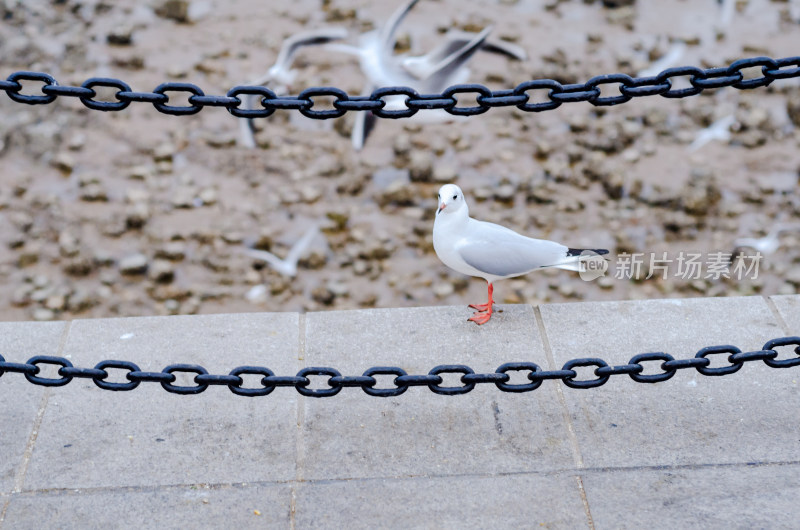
(578, 251)
(576, 258)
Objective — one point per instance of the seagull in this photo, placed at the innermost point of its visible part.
(719, 130)
(769, 243)
(281, 75)
(287, 266)
(727, 10)
(429, 73)
(668, 60)
(491, 251)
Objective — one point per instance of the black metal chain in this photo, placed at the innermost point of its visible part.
(668, 366)
(590, 91)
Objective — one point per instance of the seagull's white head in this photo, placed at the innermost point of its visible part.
(451, 200)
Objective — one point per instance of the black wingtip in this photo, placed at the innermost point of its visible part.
(579, 251)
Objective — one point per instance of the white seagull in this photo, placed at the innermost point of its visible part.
(491, 251)
(769, 243)
(287, 266)
(719, 130)
(281, 75)
(430, 73)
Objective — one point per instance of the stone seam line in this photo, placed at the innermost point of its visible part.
(19, 480)
(300, 455)
(777, 314)
(576, 450)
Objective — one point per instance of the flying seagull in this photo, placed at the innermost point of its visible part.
(287, 266)
(281, 75)
(430, 73)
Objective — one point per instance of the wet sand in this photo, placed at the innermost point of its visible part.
(139, 213)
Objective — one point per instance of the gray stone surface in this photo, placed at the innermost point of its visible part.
(420, 433)
(788, 307)
(736, 496)
(510, 501)
(691, 418)
(693, 451)
(196, 506)
(95, 438)
(19, 341)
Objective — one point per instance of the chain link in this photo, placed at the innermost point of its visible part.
(590, 91)
(402, 380)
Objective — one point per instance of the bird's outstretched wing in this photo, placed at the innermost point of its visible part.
(389, 29)
(292, 45)
(501, 47)
(445, 68)
(288, 266)
(282, 266)
(422, 67)
(302, 244)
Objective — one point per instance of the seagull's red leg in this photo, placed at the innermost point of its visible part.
(482, 316)
(484, 307)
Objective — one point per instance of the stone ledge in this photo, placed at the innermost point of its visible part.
(576, 454)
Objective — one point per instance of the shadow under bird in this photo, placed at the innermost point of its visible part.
(494, 252)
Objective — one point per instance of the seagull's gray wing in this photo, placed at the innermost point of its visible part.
(282, 266)
(498, 251)
(510, 50)
(444, 69)
(307, 38)
(423, 66)
(286, 54)
(387, 34)
(292, 45)
(302, 244)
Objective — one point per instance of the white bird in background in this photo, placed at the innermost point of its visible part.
(769, 243)
(719, 130)
(281, 75)
(494, 252)
(668, 60)
(287, 266)
(794, 10)
(429, 73)
(727, 10)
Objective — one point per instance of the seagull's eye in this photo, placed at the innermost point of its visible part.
(455, 197)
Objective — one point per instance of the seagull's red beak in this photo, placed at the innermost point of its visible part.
(442, 206)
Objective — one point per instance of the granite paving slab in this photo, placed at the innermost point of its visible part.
(97, 438)
(197, 506)
(788, 307)
(730, 496)
(420, 433)
(690, 419)
(508, 501)
(19, 341)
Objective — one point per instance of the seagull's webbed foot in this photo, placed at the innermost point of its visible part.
(484, 312)
(480, 318)
(480, 307)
